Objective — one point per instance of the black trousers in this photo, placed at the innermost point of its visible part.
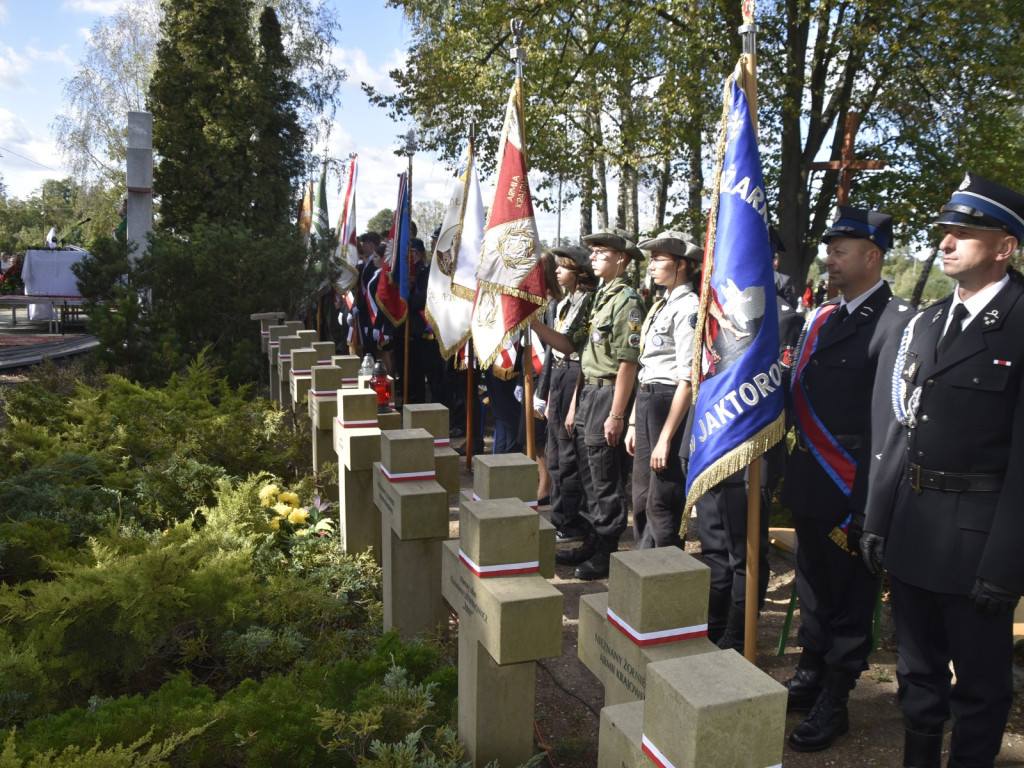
(837, 598)
(722, 528)
(605, 471)
(658, 497)
(933, 629)
(567, 499)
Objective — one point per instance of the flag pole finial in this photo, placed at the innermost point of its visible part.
(517, 54)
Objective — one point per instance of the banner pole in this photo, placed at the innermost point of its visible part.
(748, 65)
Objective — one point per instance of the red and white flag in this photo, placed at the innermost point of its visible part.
(510, 282)
(347, 253)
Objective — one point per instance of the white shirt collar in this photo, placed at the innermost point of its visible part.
(978, 301)
(853, 304)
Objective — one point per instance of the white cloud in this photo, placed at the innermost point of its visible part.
(13, 68)
(26, 160)
(359, 69)
(3, 11)
(58, 55)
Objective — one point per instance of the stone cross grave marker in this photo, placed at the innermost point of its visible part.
(274, 334)
(433, 417)
(414, 522)
(266, 319)
(509, 616)
(714, 709)
(656, 608)
(300, 376)
(325, 382)
(514, 476)
(286, 345)
(357, 444)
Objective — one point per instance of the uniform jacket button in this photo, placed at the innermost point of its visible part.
(924, 417)
(976, 380)
(930, 383)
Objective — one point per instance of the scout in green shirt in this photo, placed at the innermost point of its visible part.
(611, 347)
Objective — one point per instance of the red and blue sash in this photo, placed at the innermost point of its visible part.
(836, 462)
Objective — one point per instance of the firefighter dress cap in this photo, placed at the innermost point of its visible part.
(983, 204)
(860, 222)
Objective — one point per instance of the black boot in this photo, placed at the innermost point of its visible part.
(806, 683)
(828, 718)
(922, 750)
(735, 627)
(579, 554)
(596, 567)
(718, 613)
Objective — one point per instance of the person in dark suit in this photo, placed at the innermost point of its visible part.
(945, 512)
(826, 480)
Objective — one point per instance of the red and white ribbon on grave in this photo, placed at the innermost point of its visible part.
(660, 760)
(407, 477)
(506, 569)
(324, 393)
(659, 637)
(531, 504)
(350, 380)
(307, 373)
(442, 442)
(284, 355)
(357, 423)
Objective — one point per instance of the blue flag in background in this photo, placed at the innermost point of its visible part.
(738, 380)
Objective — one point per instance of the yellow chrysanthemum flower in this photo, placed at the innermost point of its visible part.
(275, 524)
(269, 491)
(282, 509)
(298, 516)
(289, 498)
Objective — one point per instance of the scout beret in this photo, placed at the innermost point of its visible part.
(617, 240)
(860, 222)
(983, 204)
(581, 256)
(677, 243)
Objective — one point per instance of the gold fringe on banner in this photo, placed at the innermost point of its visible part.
(738, 458)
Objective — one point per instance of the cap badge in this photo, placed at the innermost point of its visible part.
(966, 182)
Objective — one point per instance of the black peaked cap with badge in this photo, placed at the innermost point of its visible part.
(677, 243)
(617, 240)
(983, 204)
(862, 223)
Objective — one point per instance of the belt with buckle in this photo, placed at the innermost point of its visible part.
(563, 362)
(599, 381)
(954, 482)
(656, 386)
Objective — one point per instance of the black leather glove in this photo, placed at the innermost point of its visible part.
(872, 552)
(992, 600)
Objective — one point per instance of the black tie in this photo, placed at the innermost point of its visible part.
(840, 314)
(954, 329)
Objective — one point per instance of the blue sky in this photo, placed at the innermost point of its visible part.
(42, 42)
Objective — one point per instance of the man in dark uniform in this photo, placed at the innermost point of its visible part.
(826, 480)
(608, 359)
(946, 506)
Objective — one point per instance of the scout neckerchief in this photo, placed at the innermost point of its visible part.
(603, 297)
(836, 462)
(651, 316)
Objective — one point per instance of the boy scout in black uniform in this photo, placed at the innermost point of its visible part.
(656, 423)
(946, 506)
(608, 360)
(827, 475)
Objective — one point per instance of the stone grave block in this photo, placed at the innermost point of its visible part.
(325, 382)
(514, 476)
(509, 616)
(349, 365)
(414, 522)
(389, 420)
(356, 442)
(300, 376)
(656, 608)
(266, 319)
(324, 351)
(274, 334)
(285, 346)
(715, 709)
(433, 417)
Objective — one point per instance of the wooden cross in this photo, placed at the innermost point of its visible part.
(848, 162)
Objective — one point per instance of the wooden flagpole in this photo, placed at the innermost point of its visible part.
(748, 66)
